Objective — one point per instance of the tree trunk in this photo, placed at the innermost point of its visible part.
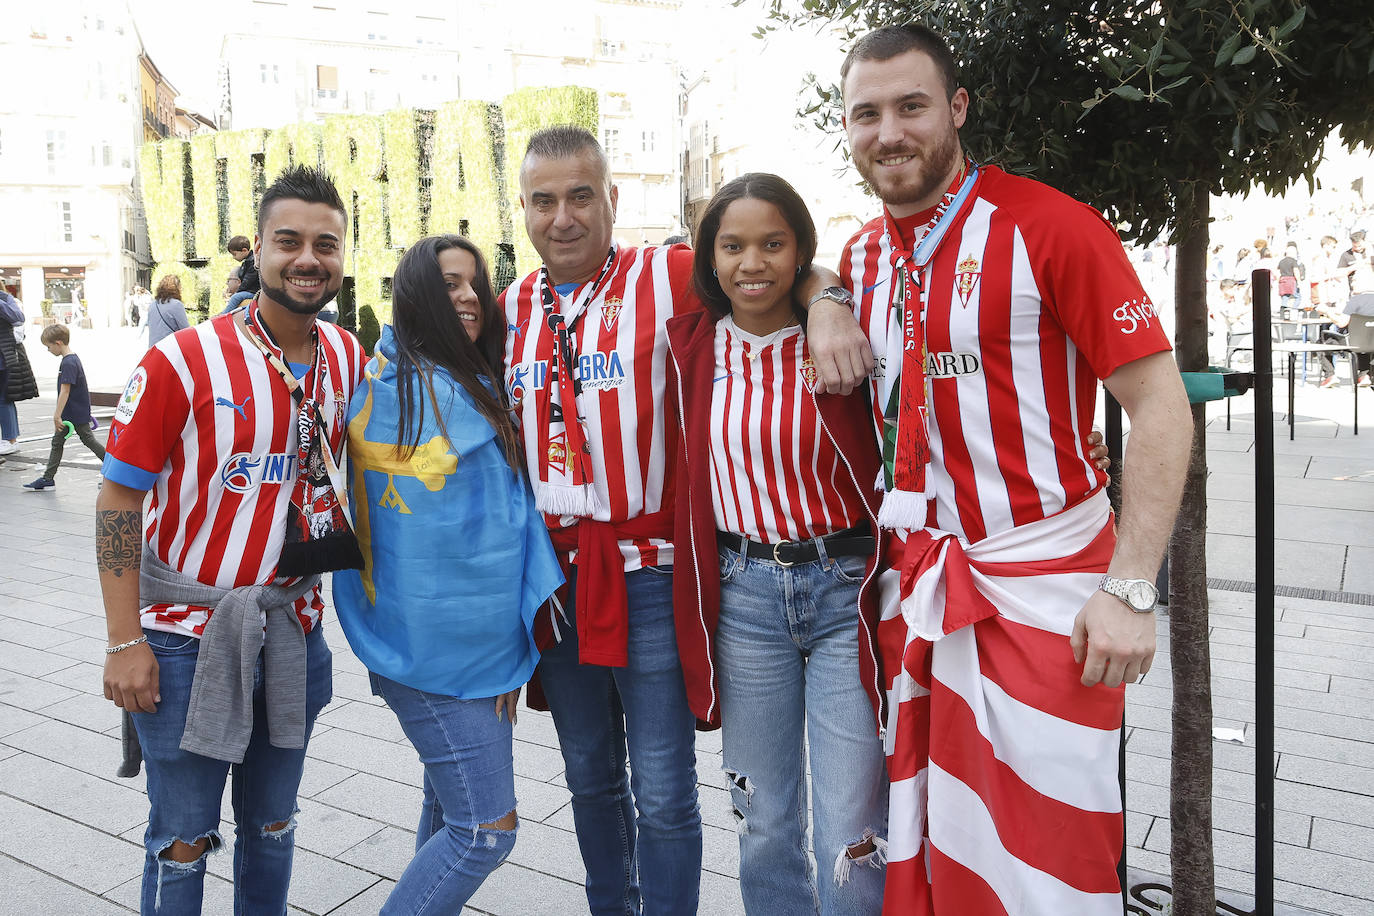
(1190, 782)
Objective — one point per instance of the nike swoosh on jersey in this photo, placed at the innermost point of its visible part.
(869, 289)
(725, 376)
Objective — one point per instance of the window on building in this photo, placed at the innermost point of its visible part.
(610, 138)
(610, 48)
(326, 81)
(648, 140)
(276, 74)
(107, 154)
(66, 211)
(57, 149)
(262, 72)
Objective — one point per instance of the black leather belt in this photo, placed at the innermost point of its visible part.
(851, 542)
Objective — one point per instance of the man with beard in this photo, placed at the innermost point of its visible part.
(213, 610)
(1014, 610)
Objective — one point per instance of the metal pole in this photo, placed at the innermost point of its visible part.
(1264, 599)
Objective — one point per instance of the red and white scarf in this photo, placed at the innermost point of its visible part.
(906, 438)
(566, 471)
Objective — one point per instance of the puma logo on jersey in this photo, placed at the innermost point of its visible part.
(238, 408)
(952, 365)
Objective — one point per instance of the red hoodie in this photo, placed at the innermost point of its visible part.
(847, 422)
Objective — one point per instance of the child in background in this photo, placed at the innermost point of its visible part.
(73, 404)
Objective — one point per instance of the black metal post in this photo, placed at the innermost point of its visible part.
(1112, 438)
(1264, 599)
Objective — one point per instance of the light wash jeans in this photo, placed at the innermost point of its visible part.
(184, 789)
(469, 762)
(651, 861)
(787, 651)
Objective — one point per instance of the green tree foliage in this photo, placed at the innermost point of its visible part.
(1138, 106)
(1144, 109)
(402, 175)
(369, 331)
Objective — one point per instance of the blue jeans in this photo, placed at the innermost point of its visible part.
(185, 789)
(235, 300)
(787, 655)
(469, 780)
(651, 861)
(9, 420)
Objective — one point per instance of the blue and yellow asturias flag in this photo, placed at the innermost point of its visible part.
(457, 559)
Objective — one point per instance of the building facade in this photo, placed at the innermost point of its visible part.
(71, 120)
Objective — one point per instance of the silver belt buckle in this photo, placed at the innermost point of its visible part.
(779, 560)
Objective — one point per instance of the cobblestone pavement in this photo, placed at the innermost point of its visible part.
(71, 842)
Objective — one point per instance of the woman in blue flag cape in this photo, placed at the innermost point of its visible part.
(456, 562)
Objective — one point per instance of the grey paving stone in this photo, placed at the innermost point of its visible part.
(369, 902)
(79, 748)
(387, 759)
(86, 710)
(535, 727)
(28, 633)
(1335, 804)
(514, 890)
(81, 855)
(320, 775)
(87, 625)
(354, 687)
(33, 662)
(19, 588)
(720, 851)
(536, 761)
(386, 852)
(549, 850)
(363, 719)
(29, 890)
(82, 676)
(1352, 686)
(1332, 775)
(720, 896)
(14, 719)
(380, 799)
(1345, 839)
(328, 830)
(112, 807)
(537, 800)
(1313, 492)
(1359, 570)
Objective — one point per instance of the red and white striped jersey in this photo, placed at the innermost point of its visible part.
(1031, 301)
(620, 353)
(774, 475)
(209, 426)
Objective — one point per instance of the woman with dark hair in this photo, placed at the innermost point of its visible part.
(167, 313)
(456, 562)
(776, 537)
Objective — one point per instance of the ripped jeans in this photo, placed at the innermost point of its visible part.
(787, 650)
(469, 759)
(185, 790)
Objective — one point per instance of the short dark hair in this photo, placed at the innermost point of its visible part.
(1357, 235)
(239, 243)
(891, 40)
(563, 141)
(299, 182)
(55, 333)
(754, 186)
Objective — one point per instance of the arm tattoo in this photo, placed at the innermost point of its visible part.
(118, 540)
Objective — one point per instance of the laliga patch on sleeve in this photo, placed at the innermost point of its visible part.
(133, 393)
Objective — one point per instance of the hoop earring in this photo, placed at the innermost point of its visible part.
(799, 270)
(714, 274)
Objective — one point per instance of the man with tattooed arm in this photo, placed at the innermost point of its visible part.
(212, 596)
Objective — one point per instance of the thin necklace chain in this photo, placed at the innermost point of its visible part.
(751, 354)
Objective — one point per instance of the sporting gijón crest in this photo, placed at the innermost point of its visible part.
(610, 311)
(966, 279)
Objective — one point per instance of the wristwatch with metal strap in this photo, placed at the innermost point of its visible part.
(1140, 595)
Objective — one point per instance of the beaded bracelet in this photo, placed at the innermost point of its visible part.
(111, 650)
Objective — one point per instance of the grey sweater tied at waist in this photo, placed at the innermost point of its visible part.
(219, 721)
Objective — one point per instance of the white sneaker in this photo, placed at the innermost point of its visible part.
(6, 447)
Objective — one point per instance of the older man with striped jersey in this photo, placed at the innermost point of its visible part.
(1015, 609)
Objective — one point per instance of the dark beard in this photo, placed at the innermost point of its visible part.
(934, 172)
(283, 297)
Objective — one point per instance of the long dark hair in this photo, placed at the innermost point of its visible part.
(763, 186)
(429, 334)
